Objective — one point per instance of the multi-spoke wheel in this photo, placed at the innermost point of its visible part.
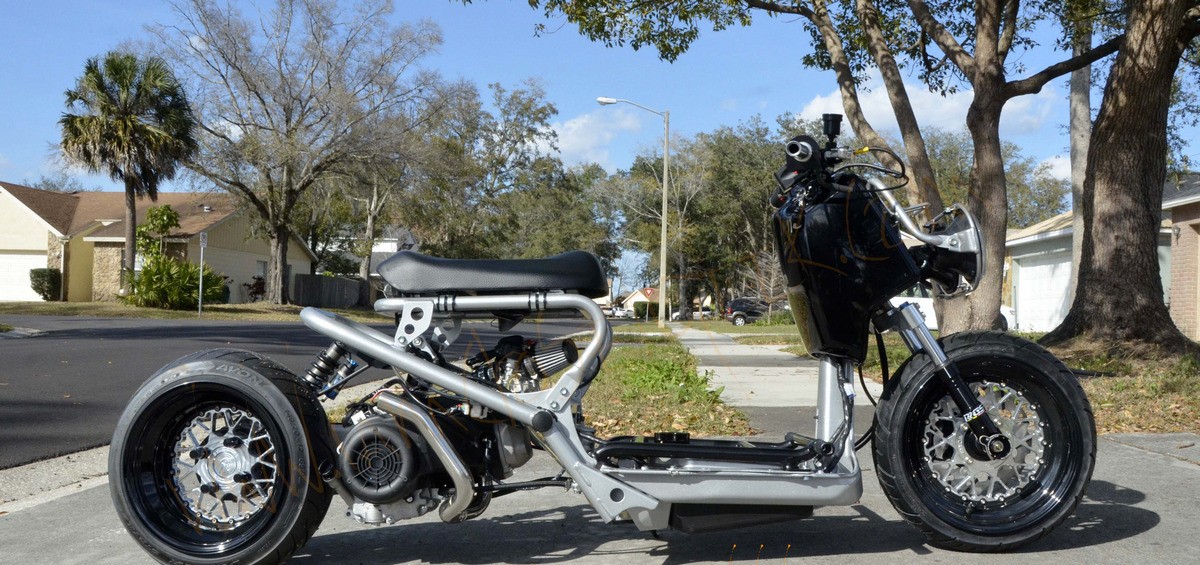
(937, 478)
(214, 461)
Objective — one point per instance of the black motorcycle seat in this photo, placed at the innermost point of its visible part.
(413, 273)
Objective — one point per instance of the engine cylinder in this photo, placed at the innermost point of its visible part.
(377, 461)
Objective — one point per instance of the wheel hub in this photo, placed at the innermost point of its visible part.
(224, 468)
(955, 464)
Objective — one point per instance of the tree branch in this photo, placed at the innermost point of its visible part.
(774, 7)
(944, 39)
(1034, 84)
(1011, 7)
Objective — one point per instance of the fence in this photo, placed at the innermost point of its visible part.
(328, 292)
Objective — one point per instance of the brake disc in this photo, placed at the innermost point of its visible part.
(980, 480)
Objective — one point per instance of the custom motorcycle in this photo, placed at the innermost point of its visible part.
(982, 440)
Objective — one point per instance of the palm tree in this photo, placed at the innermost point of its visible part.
(129, 118)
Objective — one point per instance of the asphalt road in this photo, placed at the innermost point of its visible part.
(63, 391)
(1140, 508)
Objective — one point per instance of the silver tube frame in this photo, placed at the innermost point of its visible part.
(643, 496)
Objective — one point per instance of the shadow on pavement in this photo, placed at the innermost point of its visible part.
(1106, 515)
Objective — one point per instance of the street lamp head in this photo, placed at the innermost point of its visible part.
(604, 100)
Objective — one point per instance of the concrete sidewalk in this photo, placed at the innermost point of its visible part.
(776, 390)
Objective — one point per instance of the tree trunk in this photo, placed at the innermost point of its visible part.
(277, 292)
(845, 79)
(364, 267)
(925, 187)
(1081, 135)
(1119, 298)
(987, 200)
(130, 259)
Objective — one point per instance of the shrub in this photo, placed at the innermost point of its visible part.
(170, 283)
(46, 282)
(256, 289)
(777, 318)
(639, 310)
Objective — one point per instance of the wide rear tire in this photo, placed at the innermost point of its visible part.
(937, 482)
(214, 461)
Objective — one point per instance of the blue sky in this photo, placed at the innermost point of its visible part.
(726, 77)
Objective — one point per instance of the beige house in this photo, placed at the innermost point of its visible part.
(83, 235)
(1181, 201)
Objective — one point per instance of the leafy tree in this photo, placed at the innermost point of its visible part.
(1119, 295)
(947, 45)
(1033, 194)
(129, 118)
(152, 233)
(475, 159)
(286, 98)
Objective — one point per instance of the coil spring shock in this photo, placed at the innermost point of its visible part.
(322, 369)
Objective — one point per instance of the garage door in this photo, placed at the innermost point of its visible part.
(14, 275)
(1041, 291)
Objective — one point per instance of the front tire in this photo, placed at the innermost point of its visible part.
(214, 461)
(939, 484)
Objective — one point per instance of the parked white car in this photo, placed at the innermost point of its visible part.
(920, 296)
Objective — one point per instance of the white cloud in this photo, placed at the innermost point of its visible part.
(729, 105)
(1023, 115)
(1060, 166)
(585, 138)
(1028, 114)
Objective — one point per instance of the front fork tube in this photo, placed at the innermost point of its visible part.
(907, 320)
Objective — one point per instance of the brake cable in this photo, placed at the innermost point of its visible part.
(883, 367)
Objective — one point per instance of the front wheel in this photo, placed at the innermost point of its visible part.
(214, 461)
(923, 448)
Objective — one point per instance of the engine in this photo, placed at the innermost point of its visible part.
(519, 365)
(389, 471)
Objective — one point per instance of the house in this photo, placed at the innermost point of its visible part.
(1181, 201)
(82, 234)
(1038, 264)
(641, 295)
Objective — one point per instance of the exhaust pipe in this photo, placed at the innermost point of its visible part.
(451, 510)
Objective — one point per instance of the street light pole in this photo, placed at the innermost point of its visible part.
(662, 253)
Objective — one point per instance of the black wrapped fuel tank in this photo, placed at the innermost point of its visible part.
(843, 260)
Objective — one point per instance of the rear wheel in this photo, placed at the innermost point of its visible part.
(214, 461)
(936, 480)
(739, 320)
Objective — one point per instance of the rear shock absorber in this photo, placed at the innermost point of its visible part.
(322, 369)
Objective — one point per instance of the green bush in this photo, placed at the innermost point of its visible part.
(170, 283)
(639, 310)
(46, 282)
(779, 317)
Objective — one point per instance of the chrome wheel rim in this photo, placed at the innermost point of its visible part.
(224, 468)
(951, 464)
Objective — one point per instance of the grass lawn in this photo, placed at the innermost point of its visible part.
(721, 326)
(258, 312)
(655, 388)
(641, 327)
(1154, 393)
(5, 328)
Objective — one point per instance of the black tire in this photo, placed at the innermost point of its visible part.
(739, 320)
(270, 417)
(920, 467)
